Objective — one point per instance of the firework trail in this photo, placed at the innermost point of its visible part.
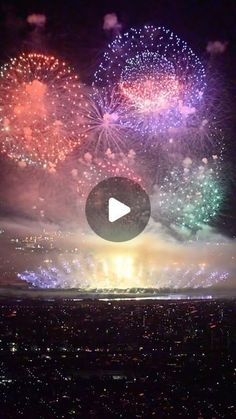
(40, 102)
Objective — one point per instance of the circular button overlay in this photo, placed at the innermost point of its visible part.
(118, 209)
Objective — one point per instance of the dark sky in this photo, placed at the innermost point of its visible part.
(69, 22)
(74, 32)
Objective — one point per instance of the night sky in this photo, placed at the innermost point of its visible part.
(74, 32)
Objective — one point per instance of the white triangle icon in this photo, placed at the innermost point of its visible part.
(116, 210)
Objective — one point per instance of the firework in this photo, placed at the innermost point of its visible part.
(40, 109)
(105, 122)
(158, 76)
(206, 129)
(89, 273)
(190, 196)
(154, 260)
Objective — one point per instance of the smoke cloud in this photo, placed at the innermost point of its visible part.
(216, 47)
(111, 23)
(37, 20)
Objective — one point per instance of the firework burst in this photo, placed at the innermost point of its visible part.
(158, 76)
(40, 103)
(105, 122)
(190, 196)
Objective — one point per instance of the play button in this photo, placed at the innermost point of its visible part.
(118, 209)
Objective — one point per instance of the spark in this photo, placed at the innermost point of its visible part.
(104, 122)
(190, 196)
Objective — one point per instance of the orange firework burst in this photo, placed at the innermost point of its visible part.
(41, 104)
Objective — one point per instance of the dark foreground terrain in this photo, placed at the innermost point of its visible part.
(133, 359)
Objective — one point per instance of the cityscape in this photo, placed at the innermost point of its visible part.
(62, 359)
